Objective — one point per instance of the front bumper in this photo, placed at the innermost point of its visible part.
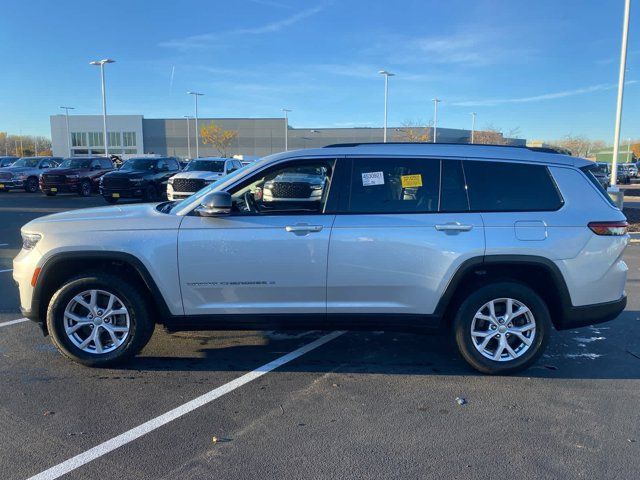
(11, 184)
(59, 188)
(576, 317)
(135, 192)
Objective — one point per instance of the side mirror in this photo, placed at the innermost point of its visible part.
(215, 204)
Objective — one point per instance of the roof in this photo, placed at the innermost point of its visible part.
(444, 150)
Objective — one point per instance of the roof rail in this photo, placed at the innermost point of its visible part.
(555, 150)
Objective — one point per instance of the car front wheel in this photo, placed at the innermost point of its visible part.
(85, 188)
(32, 185)
(502, 328)
(99, 320)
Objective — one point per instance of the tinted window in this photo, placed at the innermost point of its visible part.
(106, 163)
(453, 196)
(394, 185)
(593, 172)
(506, 187)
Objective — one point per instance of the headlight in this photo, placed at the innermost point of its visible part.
(29, 240)
(209, 182)
(73, 177)
(171, 181)
(137, 181)
(20, 176)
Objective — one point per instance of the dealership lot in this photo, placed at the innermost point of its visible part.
(373, 405)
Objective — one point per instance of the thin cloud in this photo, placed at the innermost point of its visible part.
(209, 39)
(539, 98)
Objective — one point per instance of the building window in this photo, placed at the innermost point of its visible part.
(130, 152)
(114, 139)
(96, 139)
(78, 139)
(129, 139)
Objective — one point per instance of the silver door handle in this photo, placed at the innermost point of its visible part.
(303, 228)
(453, 227)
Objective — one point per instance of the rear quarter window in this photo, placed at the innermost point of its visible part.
(510, 187)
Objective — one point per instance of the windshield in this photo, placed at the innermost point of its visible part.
(178, 206)
(80, 163)
(26, 162)
(205, 166)
(139, 164)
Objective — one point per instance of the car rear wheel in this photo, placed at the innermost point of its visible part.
(99, 320)
(32, 185)
(84, 190)
(502, 328)
(110, 200)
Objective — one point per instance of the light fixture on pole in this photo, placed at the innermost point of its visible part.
(188, 117)
(473, 126)
(101, 64)
(195, 96)
(386, 96)
(286, 128)
(616, 135)
(436, 101)
(66, 114)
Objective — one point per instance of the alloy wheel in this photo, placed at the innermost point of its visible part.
(503, 329)
(96, 321)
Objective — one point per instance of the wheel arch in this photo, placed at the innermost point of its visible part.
(65, 265)
(538, 273)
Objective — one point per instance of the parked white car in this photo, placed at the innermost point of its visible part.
(199, 173)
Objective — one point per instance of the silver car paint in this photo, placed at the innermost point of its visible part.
(354, 263)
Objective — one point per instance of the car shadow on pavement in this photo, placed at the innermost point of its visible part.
(608, 351)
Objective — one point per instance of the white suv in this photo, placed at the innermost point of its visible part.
(199, 173)
(497, 244)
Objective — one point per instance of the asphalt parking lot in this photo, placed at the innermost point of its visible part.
(361, 405)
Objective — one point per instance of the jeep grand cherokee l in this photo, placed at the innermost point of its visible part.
(199, 173)
(144, 178)
(75, 175)
(499, 245)
(23, 173)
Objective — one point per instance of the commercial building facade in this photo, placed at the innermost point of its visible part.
(257, 137)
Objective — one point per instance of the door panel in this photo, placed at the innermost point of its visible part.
(254, 264)
(398, 263)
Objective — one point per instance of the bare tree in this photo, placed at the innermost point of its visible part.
(412, 131)
(490, 135)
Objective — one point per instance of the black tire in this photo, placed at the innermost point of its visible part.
(31, 186)
(110, 200)
(475, 301)
(150, 193)
(140, 329)
(84, 189)
(50, 194)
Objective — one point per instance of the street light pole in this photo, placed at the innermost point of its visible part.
(623, 64)
(436, 101)
(386, 96)
(101, 64)
(286, 128)
(473, 125)
(195, 96)
(188, 136)
(66, 112)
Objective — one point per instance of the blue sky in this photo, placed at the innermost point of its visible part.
(548, 68)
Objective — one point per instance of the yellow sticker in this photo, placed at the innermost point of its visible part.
(409, 181)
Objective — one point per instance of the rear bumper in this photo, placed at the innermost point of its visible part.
(576, 317)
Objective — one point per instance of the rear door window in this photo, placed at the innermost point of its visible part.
(394, 185)
(510, 187)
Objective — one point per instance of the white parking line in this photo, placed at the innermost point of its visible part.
(8, 270)
(13, 322)
(155, 423)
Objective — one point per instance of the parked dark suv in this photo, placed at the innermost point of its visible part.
(144, 178)
(75, 175)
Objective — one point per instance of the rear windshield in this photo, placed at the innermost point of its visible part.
(590, 171)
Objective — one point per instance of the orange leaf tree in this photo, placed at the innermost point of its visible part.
(218, 137)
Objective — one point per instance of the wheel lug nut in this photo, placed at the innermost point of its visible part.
(498, 336)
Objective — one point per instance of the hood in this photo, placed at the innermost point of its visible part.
(200, 175)
(20, 169)
(112, 218)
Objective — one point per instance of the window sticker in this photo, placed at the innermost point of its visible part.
(372, 178)
(411, 181)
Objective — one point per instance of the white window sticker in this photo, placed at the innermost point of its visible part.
(372, 178)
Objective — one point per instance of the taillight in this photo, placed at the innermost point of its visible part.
(609, 228)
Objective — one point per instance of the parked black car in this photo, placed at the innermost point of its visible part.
(7, 161)
(144, 178)
(75, 175)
